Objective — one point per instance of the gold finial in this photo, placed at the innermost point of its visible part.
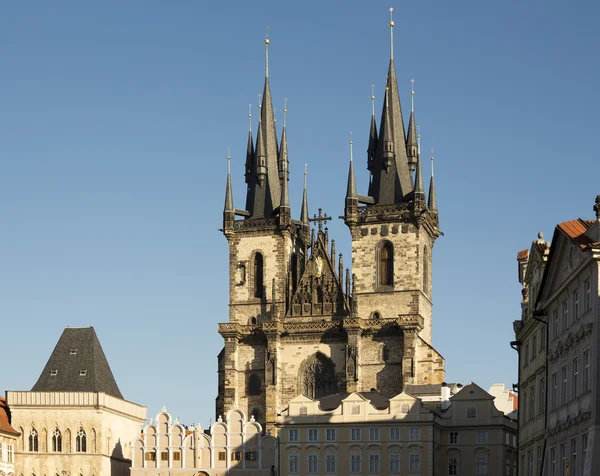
(267, 52)
(419, 141)
(284, 112)
(351, 147)
(432, 159)
(259, 107)
(250, 117)
(228, 160)
(412, 95)
(391, 35)
(373, 99)
(305, 172)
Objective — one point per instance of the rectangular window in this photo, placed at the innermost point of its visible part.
(576, 306)
(584, 444)
(355, 434)
(151, 456)
(586, 370)
(543, 337)
(514, 441)
(563, 460)
(555, 324)
(395, 434)
(176, 456)
(373, 434)
(481, 465)
(355, 463)
(565, 316)
(554, 398)
(10, 454)
(313, 434)
(294, 435)
(313, 463)
(414, 463)
(330, 434)
(573, 462)
(164, 456)
(587, 287)
(526, 355)
(540, 456)
(454, 438)
(553, 462)
(236, 456)
(533, 346)
(523, 404)
(453, 466)
(414, 434)
(394, 463)
(542, 402)
(563, 391)
(482, 437)
(355, 410)
(532, 402)
(294, 463)
(330, 466)
(530, 463)
(250, 455)
(575, 377)
(507, 467)
(471, 412)
(507, 439)
(374, 463)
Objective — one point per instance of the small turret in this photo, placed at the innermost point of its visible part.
(419, 191)
(250, 148)
(228, 209)
(351, 211)
(432, 202)
(372, 149)
(304, 211)
(411, 138)
(387, 136)
(284, 205)
(283, 152)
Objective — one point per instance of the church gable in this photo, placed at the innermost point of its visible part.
(319, 291)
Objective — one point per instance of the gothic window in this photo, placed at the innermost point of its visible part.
(386, 265)
(258, 275)
(254, 385)
(33, 440)
(425, 269)
(294, 272)
(81, 441)
(318, 378)
(57, 441)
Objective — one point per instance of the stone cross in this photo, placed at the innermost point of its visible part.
(320, 219)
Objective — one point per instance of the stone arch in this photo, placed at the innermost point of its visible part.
(317, 377)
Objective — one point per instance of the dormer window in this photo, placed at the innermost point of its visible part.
(53, 372)
(73, 352)
(82, 373)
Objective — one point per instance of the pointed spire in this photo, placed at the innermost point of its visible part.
(432, 202)
(304, 212)
(250, 148)
(372, 135)
(228, 192)
(267, 52)
(351, 190)
(391, 35)
(411, 138)
(419, 195)
(387, 135)
(283, 151)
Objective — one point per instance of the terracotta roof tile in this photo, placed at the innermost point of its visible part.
(522, 255)
(575, 229)
(4, 422)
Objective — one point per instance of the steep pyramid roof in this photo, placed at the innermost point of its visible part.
(78, 364)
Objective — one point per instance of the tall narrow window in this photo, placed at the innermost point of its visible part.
(254, 385)
(81, 441)
(258, 275)
(386, 265)
(425, 270)
(294, 266)
(33, 440)
(57, 441)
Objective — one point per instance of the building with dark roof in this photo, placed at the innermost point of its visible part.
(74, 419)
(8, 441)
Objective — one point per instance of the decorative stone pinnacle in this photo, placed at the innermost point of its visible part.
(597, 207)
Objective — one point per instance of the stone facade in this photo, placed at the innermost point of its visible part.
(232, 446)
(82, 433)
(367, 433)
(8, 441)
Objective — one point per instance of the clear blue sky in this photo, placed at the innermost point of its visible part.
(115, 118)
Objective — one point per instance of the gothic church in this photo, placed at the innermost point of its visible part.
(299, 322)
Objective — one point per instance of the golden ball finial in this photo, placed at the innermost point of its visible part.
(267, 41)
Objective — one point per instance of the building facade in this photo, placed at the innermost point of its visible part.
(8, 441)
(531, 342)
(74, 421)
(299, 322)
(234, 445)
(368, 433)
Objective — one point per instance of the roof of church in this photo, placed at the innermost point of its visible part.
(331, 402)
(78, 364)
(5, 426)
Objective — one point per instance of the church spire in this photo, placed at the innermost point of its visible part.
(304, 211)
(411, 138)
(228, 210)
(372, 135)
(284, 204)
(351, 210)
(419, 193)
(432, 203)
(283, 152)
(250, 148)
(264, 187)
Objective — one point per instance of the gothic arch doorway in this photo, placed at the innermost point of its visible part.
(317, 377)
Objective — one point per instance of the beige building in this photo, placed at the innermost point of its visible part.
(8, 441)
(531, 342)
(299, 322)
(368, 433)
(74, 422)
(234, 446)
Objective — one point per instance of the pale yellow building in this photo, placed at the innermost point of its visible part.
(74, 422)
(8, 441)
(234, 446)
(368, 433)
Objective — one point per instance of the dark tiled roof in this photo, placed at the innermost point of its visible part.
(78, 364)
(425, 389)
(4, 418)
(331, 402)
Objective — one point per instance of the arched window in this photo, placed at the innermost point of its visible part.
(254, 385)
(81, 441)
(386, 265)
(258, 275)
(425, 270)
(57, 441)
(294, 272)
(318, 377)
(33, 440)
